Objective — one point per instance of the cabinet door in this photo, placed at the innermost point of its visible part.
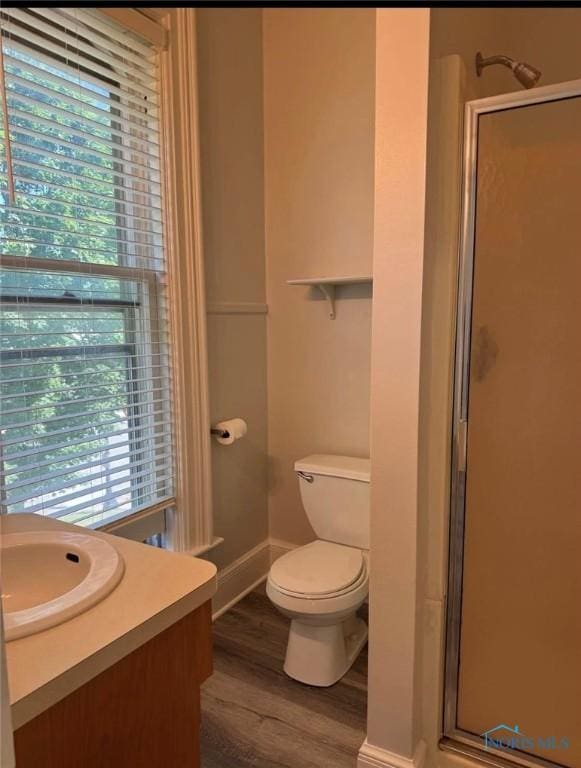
(143, 712)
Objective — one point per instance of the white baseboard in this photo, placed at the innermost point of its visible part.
(240, 577)
(279, 547)
(218, 608)
(246, 573)
(371, 756)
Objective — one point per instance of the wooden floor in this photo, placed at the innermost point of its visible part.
(254, 716)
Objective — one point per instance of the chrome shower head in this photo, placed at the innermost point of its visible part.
(526, 74)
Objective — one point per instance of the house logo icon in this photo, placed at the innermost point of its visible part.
(503, 737)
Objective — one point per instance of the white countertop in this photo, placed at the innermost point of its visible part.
(157, 589)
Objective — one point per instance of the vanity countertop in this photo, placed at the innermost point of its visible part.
(158, 588)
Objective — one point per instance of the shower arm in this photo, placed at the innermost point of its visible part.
(482, 62)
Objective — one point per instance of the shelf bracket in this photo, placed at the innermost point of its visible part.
(328, 291)
(328, 286)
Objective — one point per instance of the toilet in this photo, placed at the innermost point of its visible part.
(321, 585)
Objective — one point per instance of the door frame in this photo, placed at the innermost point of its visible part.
(454, 738)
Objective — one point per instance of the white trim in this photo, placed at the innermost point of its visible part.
(566, 90)
(246, 560)
(279, 547)
(140, 23)
(371, 756)
(237, 308)
(236, 599)
(183, 220)
(203, 548)
(239, 578)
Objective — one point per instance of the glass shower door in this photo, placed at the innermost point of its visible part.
(515, 597)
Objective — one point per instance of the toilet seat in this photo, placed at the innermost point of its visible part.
(320, 570)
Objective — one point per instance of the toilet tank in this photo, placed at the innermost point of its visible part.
(335, 495)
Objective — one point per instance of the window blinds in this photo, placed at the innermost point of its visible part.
(85, 386)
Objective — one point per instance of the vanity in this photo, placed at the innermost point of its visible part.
(117, 685)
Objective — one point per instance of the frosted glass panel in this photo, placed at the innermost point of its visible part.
(520, 647)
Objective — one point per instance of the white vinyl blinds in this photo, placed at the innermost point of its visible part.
(85, 379)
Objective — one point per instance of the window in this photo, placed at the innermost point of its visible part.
(85, 385)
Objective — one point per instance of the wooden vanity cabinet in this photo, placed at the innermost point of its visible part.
(143, 712)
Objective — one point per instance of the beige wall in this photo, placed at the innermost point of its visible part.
(396, 547)
(547, 38)
(319, 148)
(231, 137)
(447, 93)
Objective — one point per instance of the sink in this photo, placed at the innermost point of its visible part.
(50, 576)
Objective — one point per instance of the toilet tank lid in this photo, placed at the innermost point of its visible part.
(347, 467)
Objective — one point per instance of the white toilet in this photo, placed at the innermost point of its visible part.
(321, 585)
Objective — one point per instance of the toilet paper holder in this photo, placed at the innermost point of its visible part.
(219, 432)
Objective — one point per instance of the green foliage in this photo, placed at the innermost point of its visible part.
(67, 208)
(64, 167)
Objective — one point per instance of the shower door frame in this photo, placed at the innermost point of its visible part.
(453, 738)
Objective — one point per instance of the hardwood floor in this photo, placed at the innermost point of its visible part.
(254, 716)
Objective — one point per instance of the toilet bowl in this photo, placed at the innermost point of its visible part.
(321, 585)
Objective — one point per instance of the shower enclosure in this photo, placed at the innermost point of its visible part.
(513, 645)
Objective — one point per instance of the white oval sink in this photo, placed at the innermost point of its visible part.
(50, 576)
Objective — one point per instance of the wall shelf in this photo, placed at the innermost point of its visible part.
(328, 285)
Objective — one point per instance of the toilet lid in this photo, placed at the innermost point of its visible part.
(319, 568)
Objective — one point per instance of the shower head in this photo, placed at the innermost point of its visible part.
(526, 74)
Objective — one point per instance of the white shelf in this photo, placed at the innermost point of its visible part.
(327, 286)
(331, 280)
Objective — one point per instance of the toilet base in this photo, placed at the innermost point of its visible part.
(321, 655)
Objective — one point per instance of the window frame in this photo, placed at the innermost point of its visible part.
(190, 528)
(187, 516)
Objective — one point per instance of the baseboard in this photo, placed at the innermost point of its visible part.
(246, 573)
(371, 756)
(240, 577)
(279, 547)
(218, 608)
